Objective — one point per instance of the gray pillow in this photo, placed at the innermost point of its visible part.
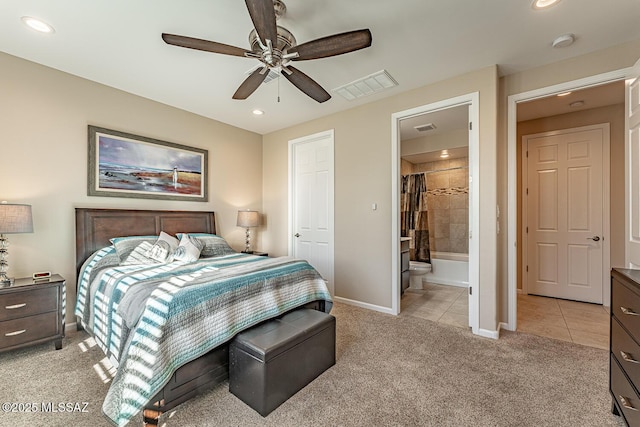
(213, 245)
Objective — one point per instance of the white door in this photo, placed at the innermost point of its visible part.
(311, 191)
(632, 154)
(564, 215)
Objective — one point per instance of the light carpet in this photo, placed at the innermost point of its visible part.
(390, 371)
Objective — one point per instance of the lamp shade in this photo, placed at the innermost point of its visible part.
(15, 218)
(248, 219)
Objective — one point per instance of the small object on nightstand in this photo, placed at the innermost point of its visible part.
(43, 275)
(32, 312)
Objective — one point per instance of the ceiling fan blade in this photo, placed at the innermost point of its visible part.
(205, 45)
(263, 17)
(336, 44)
(306, 84)
(251, 83)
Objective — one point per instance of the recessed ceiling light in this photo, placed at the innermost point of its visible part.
(576, 104)
(563, 40)
(258, 112)
(543, 4)
(564, 94)
(37, 24)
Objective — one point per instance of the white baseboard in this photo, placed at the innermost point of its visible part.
(361, 304)
(489, 334)
(70, 327)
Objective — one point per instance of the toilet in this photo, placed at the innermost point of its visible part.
(417, 271)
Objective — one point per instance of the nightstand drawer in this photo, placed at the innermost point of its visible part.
(28, 302)
(625, 306)
(28, 329)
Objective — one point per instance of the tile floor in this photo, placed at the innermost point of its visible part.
(581, 323)
(439, 303)
(578, 322)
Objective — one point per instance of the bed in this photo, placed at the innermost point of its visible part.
(167, 326)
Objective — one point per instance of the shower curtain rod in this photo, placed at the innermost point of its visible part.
(438, 170)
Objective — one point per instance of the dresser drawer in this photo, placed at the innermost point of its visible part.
(28, 302)
(27, 329)
(626, 350)
(625, 306)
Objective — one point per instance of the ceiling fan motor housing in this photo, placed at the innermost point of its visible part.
(272, 58)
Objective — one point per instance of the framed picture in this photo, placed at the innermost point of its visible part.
(126, 165)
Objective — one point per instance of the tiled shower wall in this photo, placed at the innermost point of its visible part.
(448, 204)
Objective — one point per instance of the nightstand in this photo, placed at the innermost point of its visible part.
(256, 253)
(32, 312)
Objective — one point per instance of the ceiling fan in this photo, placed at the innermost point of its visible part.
(276, 47)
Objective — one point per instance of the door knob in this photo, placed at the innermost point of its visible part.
(297, 234)
(594, 238)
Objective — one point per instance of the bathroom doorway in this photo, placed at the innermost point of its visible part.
(434, 214)
(434, 162)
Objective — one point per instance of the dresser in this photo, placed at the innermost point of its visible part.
(624, 357)
(32, 312)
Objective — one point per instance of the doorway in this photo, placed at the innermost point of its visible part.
(469, 102)
(514, 183)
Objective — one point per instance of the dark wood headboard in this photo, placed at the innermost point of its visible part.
(94, 227)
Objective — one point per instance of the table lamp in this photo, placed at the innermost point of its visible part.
(14, 218)
(248, 219)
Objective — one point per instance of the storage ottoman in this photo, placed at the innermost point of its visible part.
(271, 362)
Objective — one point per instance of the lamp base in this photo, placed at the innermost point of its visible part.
(6, 281)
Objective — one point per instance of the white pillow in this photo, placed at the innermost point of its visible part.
(138, 255)
(188, 250)
(162, 250)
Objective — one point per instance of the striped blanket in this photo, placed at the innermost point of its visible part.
(151, 319)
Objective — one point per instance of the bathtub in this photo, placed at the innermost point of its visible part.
(449, 268)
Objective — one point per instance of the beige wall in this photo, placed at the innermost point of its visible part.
(615, 58)
(363, 236)
(614, 115)
(44, 115)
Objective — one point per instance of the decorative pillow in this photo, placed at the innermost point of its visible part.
(162, 250)
(125, 245)
(138, 255)
(213, 245)
(188, 250)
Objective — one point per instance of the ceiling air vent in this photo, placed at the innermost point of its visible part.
(425, 127)
(366, 86)
(271, 76)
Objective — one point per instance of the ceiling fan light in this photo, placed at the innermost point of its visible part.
(37, 25)
(543, 4)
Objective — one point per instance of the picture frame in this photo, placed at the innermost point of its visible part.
(126, 165)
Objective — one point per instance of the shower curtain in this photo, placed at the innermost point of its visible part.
(414, 216)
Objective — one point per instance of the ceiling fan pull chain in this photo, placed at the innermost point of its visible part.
(279, 85)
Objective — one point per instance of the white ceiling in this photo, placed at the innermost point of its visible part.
(593, 97)
(117, 43)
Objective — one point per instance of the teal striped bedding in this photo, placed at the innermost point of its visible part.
(151, 319)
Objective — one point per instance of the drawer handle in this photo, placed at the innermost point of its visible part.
(628, 311)
(13, 307)
(627, 357)
(13, 334)
(625, 403)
